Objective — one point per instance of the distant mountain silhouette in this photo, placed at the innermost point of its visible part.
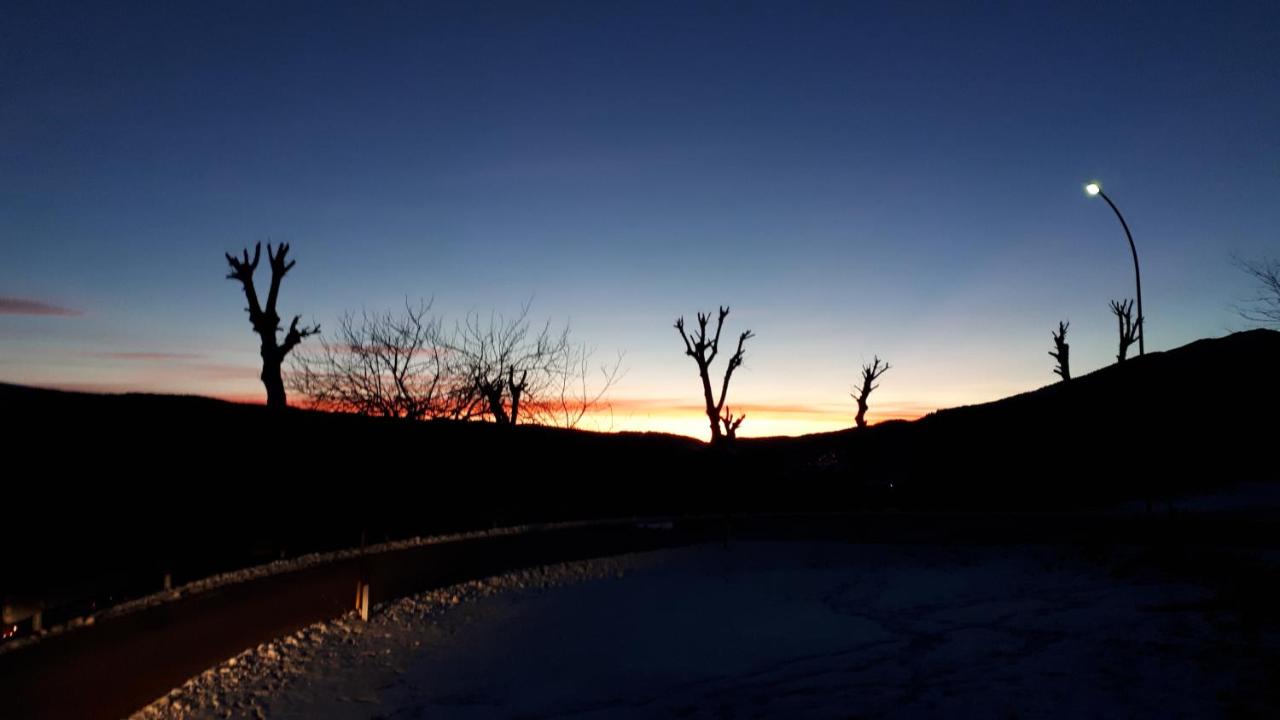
(1196, 416)
(130, 486)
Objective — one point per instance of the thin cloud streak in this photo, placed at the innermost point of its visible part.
(22, 306)
(145, 356)
(134, 388)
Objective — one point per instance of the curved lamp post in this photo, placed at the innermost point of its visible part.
(1093, 189)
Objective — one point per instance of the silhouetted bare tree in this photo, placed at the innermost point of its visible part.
(511, 374)
(1129, 330)
(1062, 351)
(731, 423)
(871, 372)
(703, 348)
(572, 394)
(408, 366)
(381, 364)
(265, 320)
(1265, 307)
(499, 359)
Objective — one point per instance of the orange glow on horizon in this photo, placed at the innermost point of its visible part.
(643, 415)
(763, 419)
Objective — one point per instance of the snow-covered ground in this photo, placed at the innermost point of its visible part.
(1256, 498)
(768, 630)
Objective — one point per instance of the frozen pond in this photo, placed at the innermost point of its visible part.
(769, 630)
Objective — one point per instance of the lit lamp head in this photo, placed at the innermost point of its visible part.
(1093, 189)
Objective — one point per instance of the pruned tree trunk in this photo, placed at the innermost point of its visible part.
(703, 349)
(1128, 328)
(517, 389)
(731, 423)
(870, 374)
(1062, 352)
(272, 379)
(709, 403)
(493, 393)
(265, 319)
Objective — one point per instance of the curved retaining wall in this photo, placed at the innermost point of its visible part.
(116, 666)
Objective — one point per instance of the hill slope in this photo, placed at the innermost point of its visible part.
(136, 483)
(1194, 416)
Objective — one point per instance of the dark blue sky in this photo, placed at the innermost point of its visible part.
(902, 179)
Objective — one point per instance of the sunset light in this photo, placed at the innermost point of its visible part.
(647, 360)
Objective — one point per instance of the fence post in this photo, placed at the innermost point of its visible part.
(362, 599)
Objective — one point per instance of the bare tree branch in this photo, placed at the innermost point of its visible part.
(1265, 306)
(518, 376)
(704, 351)
(731, 423)
(1062, 352)
(871, 372)
(1129, 330)
(278, 270)
(735, 361)
(266, 321)
(381, 364)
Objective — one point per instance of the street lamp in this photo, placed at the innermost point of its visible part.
(1095, 189)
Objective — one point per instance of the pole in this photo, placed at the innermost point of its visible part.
(1137, 276)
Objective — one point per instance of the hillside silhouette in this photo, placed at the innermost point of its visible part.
(122, 488)
(1198, 416)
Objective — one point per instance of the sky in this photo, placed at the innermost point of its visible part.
(901, 180)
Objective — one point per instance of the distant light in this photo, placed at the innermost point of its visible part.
(1093, 188)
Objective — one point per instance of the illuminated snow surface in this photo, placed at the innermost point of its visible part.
(768, 630)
